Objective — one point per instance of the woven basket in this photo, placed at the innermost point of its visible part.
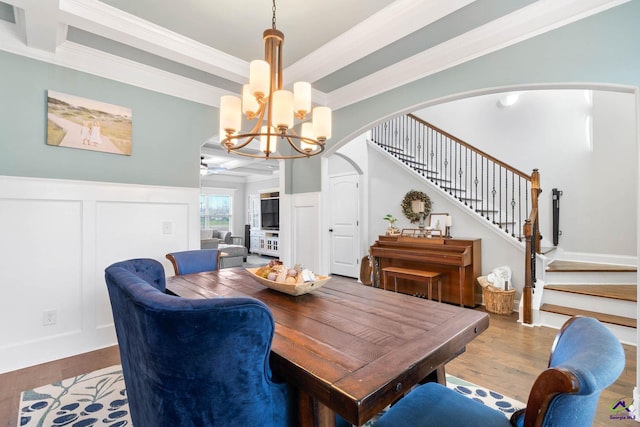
(496, 300)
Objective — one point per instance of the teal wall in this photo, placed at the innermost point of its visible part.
(167, 131)
(602, 49)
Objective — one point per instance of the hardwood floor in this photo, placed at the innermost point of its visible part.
(506, 358)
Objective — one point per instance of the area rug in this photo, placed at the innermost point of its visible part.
(99, 398)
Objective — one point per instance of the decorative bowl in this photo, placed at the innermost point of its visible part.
(294, 289)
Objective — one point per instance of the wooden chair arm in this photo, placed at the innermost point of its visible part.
(176, 269)
(549, 383)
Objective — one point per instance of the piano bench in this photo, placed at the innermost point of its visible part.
(415, 275)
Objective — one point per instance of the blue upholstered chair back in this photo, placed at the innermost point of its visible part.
(187, 362)
(148, 270)
(591, 359)
(196, 261)
(586, 358)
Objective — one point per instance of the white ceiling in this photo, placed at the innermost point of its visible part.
(349, 50)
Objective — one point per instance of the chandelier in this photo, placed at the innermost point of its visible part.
(274, 110)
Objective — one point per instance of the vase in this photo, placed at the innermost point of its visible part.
(393, 231)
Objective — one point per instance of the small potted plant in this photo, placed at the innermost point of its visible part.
(392, 230)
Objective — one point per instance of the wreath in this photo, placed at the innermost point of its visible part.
(408, 210)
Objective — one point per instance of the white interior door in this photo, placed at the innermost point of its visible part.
(344, 207)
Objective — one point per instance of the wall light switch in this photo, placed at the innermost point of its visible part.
(167, 227)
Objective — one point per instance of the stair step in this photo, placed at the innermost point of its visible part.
(467, 199)
(435, 178)
(453, 189)
(603, 317)
(620, 292)
(390, 148)
(427, 173)
(575, 266)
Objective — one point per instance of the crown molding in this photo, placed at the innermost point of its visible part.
(106, 21)
(523, 24)
(81, 58)
(390, 24)
(113, 67)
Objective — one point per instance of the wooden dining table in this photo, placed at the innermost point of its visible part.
(347, 348)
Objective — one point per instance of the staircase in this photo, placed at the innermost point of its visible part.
(508, 199)
(604, 291)
(495, 191)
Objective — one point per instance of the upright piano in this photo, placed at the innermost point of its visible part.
(458, 261)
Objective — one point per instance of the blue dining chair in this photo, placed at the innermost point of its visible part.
(585, 359)
(195, 261)
(194, 362)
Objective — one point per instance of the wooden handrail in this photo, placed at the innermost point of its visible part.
(472, 148)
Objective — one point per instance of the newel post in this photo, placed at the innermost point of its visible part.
(535, 193)
(527, 291)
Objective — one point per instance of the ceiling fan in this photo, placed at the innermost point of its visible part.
(205, 169)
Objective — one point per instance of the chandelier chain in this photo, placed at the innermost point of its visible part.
(273, 19)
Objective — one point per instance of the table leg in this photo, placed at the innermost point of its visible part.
(437, 376)
(313, 413)
(461, 270)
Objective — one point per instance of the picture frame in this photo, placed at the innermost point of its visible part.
(438, 221)
(86, 124)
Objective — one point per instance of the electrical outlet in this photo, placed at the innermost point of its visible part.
(167, 227)
(49, 317)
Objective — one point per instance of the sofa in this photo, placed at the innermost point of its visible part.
(233, 255)
(210, 239)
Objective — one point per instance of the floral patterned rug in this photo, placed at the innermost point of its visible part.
(99, 398)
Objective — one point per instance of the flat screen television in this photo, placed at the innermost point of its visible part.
(270, 214)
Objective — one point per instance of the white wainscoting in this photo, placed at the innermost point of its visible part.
(57, 237)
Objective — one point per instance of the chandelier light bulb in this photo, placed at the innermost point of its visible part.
(282, 114)
(267, 142)
(230, 115)
(259, 78)
(301, 99)
(306, 131)
(250, 105)
(322, 123)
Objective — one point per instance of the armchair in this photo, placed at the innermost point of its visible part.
(585, 359)
(187, 262)
(191, 363)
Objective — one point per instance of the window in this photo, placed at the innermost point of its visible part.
(215, 211)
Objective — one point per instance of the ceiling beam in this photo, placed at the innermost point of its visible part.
(39, 24)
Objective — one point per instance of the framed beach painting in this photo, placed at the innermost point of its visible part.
(76, 122)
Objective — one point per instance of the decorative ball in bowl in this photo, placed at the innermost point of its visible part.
(294, 281)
